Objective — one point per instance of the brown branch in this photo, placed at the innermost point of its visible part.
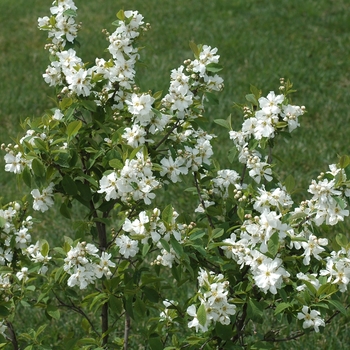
(126, 331)
(77, 310)
(201, 199)
(167, 135)
(12, 335)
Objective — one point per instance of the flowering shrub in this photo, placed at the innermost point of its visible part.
(245, 252)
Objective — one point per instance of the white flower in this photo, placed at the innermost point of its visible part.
(271, 103)
(23, 274)
(191, 311)
(172, 168)
(43, 201)
(15, 163)
(311, 319)
(108, 185)
(58, 115)
(127, 247)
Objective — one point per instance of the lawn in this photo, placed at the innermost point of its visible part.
(306, 41)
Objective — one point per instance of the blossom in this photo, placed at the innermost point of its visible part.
(127, 246)
(23, 274)
(311, 319)
(191, 311)
(15, 163)
(269, 275)
(173, 169)
(43, 201)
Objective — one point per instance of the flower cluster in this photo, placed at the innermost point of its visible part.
(215, 306)
(84, 265)
(150, 228)
(273, 115)
(311, 318)
(134, 182)
(43, 200)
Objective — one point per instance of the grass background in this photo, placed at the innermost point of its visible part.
(306, 41)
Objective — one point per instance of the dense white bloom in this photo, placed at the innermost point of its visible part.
(173, 169)
(269, 275)
(311, 318)
(127, 246)
(313, 247)
(270, 103)
(43, 201)
(103, 267)
(15, 163)
(135, 136)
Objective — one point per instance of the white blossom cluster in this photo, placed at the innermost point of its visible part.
(260, 125)
(213, 296)
(169, 313)
(329, 200)
(185, 82)
(61, 25)
(13, 230)
(15, 162)
(311, 318)
(84, 265)
(43, 200)
(149, 227)
(134, 182)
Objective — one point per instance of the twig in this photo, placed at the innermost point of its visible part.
(201, 199)
(167, 135)
(77, 310)
(126, 331)
(12, 336)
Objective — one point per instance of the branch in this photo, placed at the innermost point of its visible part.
(12, 336)
(167, 135)
(126, 331)
(202, 200)
(77, 310)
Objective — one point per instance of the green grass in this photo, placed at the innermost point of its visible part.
(306, 41)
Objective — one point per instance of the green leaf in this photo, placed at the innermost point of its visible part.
(116, 164)
(338, 305)
(289, 183)
(121, 15)
(223, 123)
(167, 214)
(27, 176)
(65, 211)
(255, 310)
(176, 246)
(344, 161)
(280, 307)
(70, 13)
(240, 213)
(45, 248)
(155, 343)
(195, 49)
(165, 245)
(73, 128)
(273, 244)
(89, 105)
(38, 168)
(252, 99)
(341, 240)
(69, 186)
(53, 312)
(213, 67)
(255, 91)
(202, 315)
